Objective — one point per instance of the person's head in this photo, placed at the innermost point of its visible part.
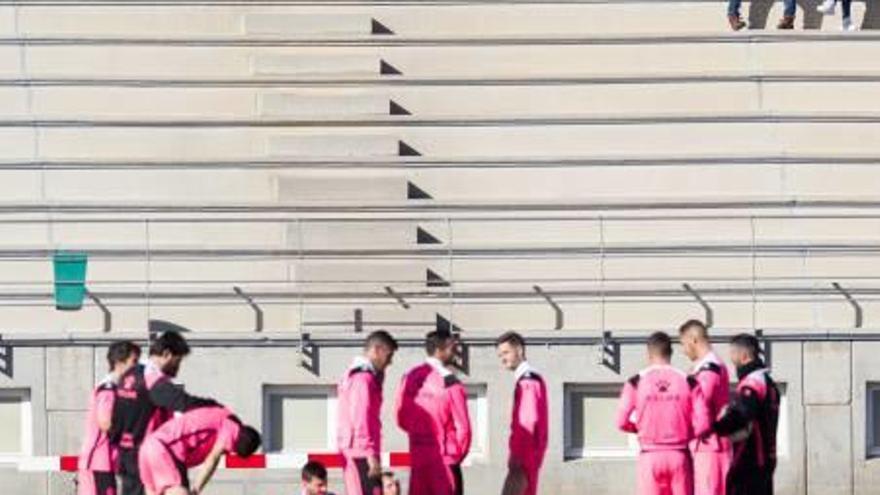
(314, 478)
(379, 348)
(248, 441)
(441, 344)
(168, 350)
(390, 484)
(744, 349)
(694, 337)
(659, 348)
(122, 356)
(511, 349)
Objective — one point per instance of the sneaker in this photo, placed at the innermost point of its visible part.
(736, 22)
(827, 7)
(786, 22)
(848, 24)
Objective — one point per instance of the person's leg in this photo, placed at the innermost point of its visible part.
(365, 484)
(789, 8)
(648, 474)
(457, 479)
(351, 477)
(846, 5)
(85, 483)
(129, 473)
(105, 484)
(734, 7)
(681, 471)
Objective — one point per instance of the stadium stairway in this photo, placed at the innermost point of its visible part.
(463, 160)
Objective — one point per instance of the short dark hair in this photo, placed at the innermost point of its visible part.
(381, 337)
(699, 325)
(660, 343)
(511, 338)
(169, 341)
(748, 343)
(437, 339)
(120, 351)
(248, 442)
(314, 469)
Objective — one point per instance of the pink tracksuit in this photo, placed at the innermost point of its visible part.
(529, 425)
(359, 426)
(666, 409)
(432, 409)
(96, 466)
(184, 442)
(712, 455)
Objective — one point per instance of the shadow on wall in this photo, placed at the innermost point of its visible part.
(759, 13)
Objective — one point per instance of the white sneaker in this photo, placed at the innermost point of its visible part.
(827, 7)
(848, 24)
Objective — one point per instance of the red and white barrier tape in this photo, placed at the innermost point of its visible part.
(67, 463)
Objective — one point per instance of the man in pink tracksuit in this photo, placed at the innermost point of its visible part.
(98, 458)
(529, 420)
(713, 453)
(432, 409)
(198, 437)
(359, 427)
(666, 409)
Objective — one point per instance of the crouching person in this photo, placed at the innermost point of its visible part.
(199, 437)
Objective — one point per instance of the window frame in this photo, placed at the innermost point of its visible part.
(572, 452)
(26, 435)
(274, 392)
(480, 424)
(872, 444)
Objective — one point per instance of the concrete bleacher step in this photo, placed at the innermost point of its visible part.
(752, 136)
(454, 103)
(325, 21)
(629, 57)
(518, 182)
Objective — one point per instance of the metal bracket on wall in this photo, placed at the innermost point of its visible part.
(258, 311)
(557, 311)
(462, 359)
(309, 354)
(397, 297)
(709, 314)
(7, 352)
(105, 311)
(766, 348)
(858, 317)
(609, 352)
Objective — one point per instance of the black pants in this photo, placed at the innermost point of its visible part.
(101, 483)
(756, 481)
(129, 472)
(459, 479)
(369, 486)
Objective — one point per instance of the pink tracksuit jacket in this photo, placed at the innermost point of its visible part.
(529, 424)
(712, 455)
(666, 409)
(359, 423)
(431, 408)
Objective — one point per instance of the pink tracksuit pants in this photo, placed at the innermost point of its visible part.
(710, 472)
(665, 472)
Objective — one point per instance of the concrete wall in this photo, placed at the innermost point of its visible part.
(824, 385)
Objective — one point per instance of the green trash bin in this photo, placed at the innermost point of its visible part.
(70, 280)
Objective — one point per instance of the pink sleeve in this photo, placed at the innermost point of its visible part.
(400, 412)
(365, 423)
(708, 381)
(626, 407)
(702, 420)
(104, 401)
(228, 435)
(529, 415)
(461, 419)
